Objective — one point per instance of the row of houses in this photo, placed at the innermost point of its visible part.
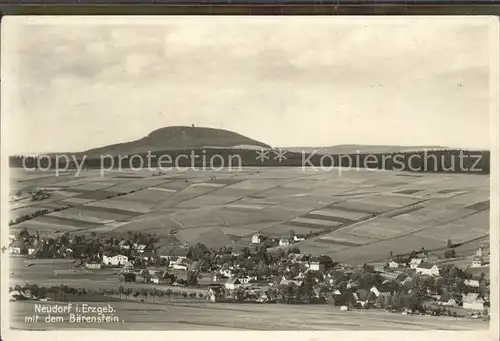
(258, 238)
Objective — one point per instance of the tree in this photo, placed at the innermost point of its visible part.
(168, 293)
(449, 243)
(368, 268)
(450, 253)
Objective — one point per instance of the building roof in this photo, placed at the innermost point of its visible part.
(416, 260)
(472, 298)
(362, 294)
(401, 277)
(425, 265)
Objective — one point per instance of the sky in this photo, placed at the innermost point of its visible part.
(71, 84)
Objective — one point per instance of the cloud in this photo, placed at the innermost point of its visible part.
(117, 82)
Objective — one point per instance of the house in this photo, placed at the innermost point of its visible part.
(114, 260)
(248, 279)
(67, 252)
(381, 290)
(314, 266)
(477, 262)
(449, 302)
(473, 283)
(147, 255)
(128, 267)
(172, 253)
(181, 264)
(124, 245)
(296, 257)
(141, 248)
(401, 277)
(379, 267)
(285, 281)
(329, 277)
(14, 250)
(93, 266)
(364, 297)
(428, 269)
(233, 283)
(319, 263)
(284, 242)
(473, 301)
(17, 247)
(226, 271)
(127, 277)
(298, 238)
(257, 238)
(415, 262)
(31, 251)
(157, 278)
(393, 265)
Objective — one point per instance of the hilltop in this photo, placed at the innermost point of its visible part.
(180, 137)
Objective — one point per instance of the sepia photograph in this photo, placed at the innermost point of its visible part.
(249, 173)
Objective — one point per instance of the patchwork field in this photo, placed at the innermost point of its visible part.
(356, 216)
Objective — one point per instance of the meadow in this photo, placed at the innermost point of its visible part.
(223, 316)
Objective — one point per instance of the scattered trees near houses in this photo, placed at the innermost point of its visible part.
(450, 253)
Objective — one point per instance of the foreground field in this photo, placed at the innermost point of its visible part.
(220, 316)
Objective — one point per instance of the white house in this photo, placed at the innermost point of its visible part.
(124, 245)
(116, 260)
(93, 265)
(284, 242)
(257, 238)
(415, 262)
(474, 283)
(226, 272)
(128, 267)
(31, 251)
(450, 303)
(314, 266)
(247, 279)
(233, 283)
(428, 269)
(14, 250)
(473, 301)
(181, 264)
(393, 265)
(477, 262)
(141, 248)
(298, 239)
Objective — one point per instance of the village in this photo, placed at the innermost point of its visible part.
(272, 270)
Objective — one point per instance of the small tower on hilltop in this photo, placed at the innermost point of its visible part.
(192, 125)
